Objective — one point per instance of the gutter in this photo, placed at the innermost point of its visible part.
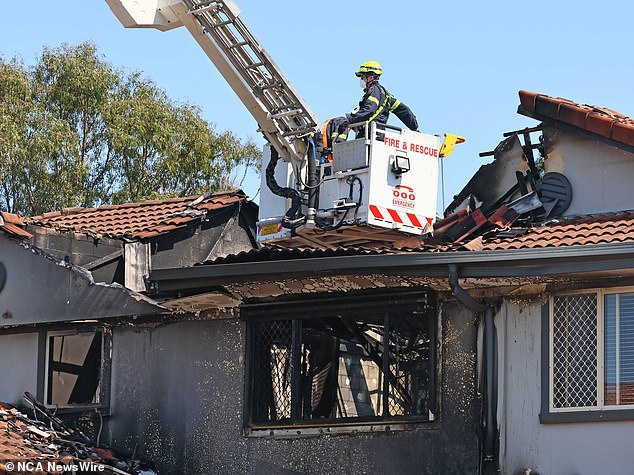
(489, 418)
(473, 264)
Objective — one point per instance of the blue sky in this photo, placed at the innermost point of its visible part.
(458, 65)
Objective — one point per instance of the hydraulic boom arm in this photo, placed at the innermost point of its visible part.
(280, 112)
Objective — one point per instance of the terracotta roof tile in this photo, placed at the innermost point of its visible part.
(12, 218)
(23, 439)
(16, 231)
(12, 224)
(141, 220)
(597, 120)
(596, 229)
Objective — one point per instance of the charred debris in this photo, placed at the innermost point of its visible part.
(505, 197)
(46, 444)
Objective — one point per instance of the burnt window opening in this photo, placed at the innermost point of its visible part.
(75, 368)
(370, 366)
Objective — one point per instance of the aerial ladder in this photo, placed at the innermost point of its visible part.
(305, 201)
(280, 112)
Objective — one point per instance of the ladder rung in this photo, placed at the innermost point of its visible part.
(197, 11)
(271, 86)
(305, 131)
(286, 114)
(285, 108)
(205, 3)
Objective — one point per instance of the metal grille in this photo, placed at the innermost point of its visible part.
(409, 356)
(379, 365)
(272, 372)
(575, 351)
(398, 398)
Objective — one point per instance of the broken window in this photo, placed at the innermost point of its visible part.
(367, 364)
(75, 368)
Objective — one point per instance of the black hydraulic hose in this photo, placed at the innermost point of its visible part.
(332, 227)
(351, 181)
(313, 178)
(293, 212)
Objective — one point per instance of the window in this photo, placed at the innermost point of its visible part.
(368, 364)
(76, 368)
(591, 351)
(619, 349)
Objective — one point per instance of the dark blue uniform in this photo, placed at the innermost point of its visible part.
(377, 104)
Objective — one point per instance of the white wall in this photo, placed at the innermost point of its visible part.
(601, 175)
(574, 448)
(18, 366)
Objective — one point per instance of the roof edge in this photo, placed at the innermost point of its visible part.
(513, 262)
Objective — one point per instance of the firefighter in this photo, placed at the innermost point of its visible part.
(377, 103)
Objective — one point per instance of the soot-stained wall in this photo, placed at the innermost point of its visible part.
(177, 396)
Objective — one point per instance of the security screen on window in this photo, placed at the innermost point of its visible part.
(74, 368)
(345, 369)
(592, 351)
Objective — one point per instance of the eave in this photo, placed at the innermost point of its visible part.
(472, 264)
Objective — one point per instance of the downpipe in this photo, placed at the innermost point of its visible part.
(461, 294)
(489, 465)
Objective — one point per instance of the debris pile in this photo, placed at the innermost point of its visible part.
(506, 197)
(44, 444)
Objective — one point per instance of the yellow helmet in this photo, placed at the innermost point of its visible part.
(369, 68)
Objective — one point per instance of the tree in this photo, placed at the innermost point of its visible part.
(75, 131)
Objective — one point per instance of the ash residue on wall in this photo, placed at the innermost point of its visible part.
(178, 400)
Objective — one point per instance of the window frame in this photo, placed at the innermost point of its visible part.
(346, 305)
(103, 406)
(601, 412)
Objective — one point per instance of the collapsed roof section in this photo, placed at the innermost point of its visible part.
(509, 226)
(521, 189)
(40, 288)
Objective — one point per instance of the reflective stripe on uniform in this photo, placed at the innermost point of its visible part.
(382, 105)
(395, 105)
(373, 99)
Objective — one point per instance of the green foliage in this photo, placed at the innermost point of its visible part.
(75, 131)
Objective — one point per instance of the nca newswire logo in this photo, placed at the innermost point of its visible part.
(53, 467)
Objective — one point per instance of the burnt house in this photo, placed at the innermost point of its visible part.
(37, 292)
(123, 243)
(502, 343)
(69, 277)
